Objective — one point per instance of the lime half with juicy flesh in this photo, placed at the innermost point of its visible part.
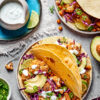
(34, 20)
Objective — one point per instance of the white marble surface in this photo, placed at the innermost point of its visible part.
(47, 27)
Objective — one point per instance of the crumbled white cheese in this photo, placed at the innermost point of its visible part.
(53, 97)
(36, 72)
(44, 72)
(83, 71)
(63, 45)
(57, 42)
(51, 78)
(25, 72)
(73, 51)
(57, 90)
(60, 44)
(44, 93)
(34, 66)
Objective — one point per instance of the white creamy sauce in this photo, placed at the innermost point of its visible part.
(53, 97)
(36, 72)
(83, 71)
(44, 72)
(44, 93)
(57, 90)
(73, 51)
(34, 66)
(60, 44)
(57, 42)
(25, 72)
(12, 13)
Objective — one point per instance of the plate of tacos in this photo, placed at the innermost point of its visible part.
(55, 68)
(82, 16)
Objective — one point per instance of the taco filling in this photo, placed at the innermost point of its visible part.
(72, 12)
(38, 81)
(41, 83)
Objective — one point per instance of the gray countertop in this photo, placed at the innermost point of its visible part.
(47, 27)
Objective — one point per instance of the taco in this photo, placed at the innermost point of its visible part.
(37, 80)
(69, 72)
(80, 14)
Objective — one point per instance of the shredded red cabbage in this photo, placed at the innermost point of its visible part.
(81, 56)
(52, 84)
(59, 41)
(22, 89)
(68, 90)
(25, 57)
(68, 17)
(34, 97)
(85, 23)
(74, 2)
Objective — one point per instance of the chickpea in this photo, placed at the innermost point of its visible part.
(61, 13)
(9, 66)
(57, 2)
(60, 28)
(59, 21)
(88, 67)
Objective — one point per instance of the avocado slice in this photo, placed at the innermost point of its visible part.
(84, 86)
(77, 61)
(81, 26)
(83, 64)
(27, 63)
(95, 48)
(32, 85)
(67, 1)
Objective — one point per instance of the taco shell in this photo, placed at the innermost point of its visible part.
(62, 63)
(91, 7)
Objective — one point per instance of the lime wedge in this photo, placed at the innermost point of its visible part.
(34, 20)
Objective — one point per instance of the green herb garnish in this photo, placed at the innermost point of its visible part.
(20, 72)
(90, 28)
(35, 88)
(50, 94)
(62, 3)
(64, 88)
(59, 95)
(71, 95)
(78, 62)
(78, 11)
(52, 9)
(84, 18)
(58, 8)
(85, 76)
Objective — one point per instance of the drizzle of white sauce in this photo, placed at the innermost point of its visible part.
(36, 72)
(34, 66)
(25, 72)
(44, 93)
(83, 71)
(73, 51)
(53, 97)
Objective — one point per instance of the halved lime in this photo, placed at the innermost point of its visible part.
(34, 20)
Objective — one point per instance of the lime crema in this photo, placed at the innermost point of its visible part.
(12, 13)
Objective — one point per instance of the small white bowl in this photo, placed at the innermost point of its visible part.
(9, 95)
(8, 26)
